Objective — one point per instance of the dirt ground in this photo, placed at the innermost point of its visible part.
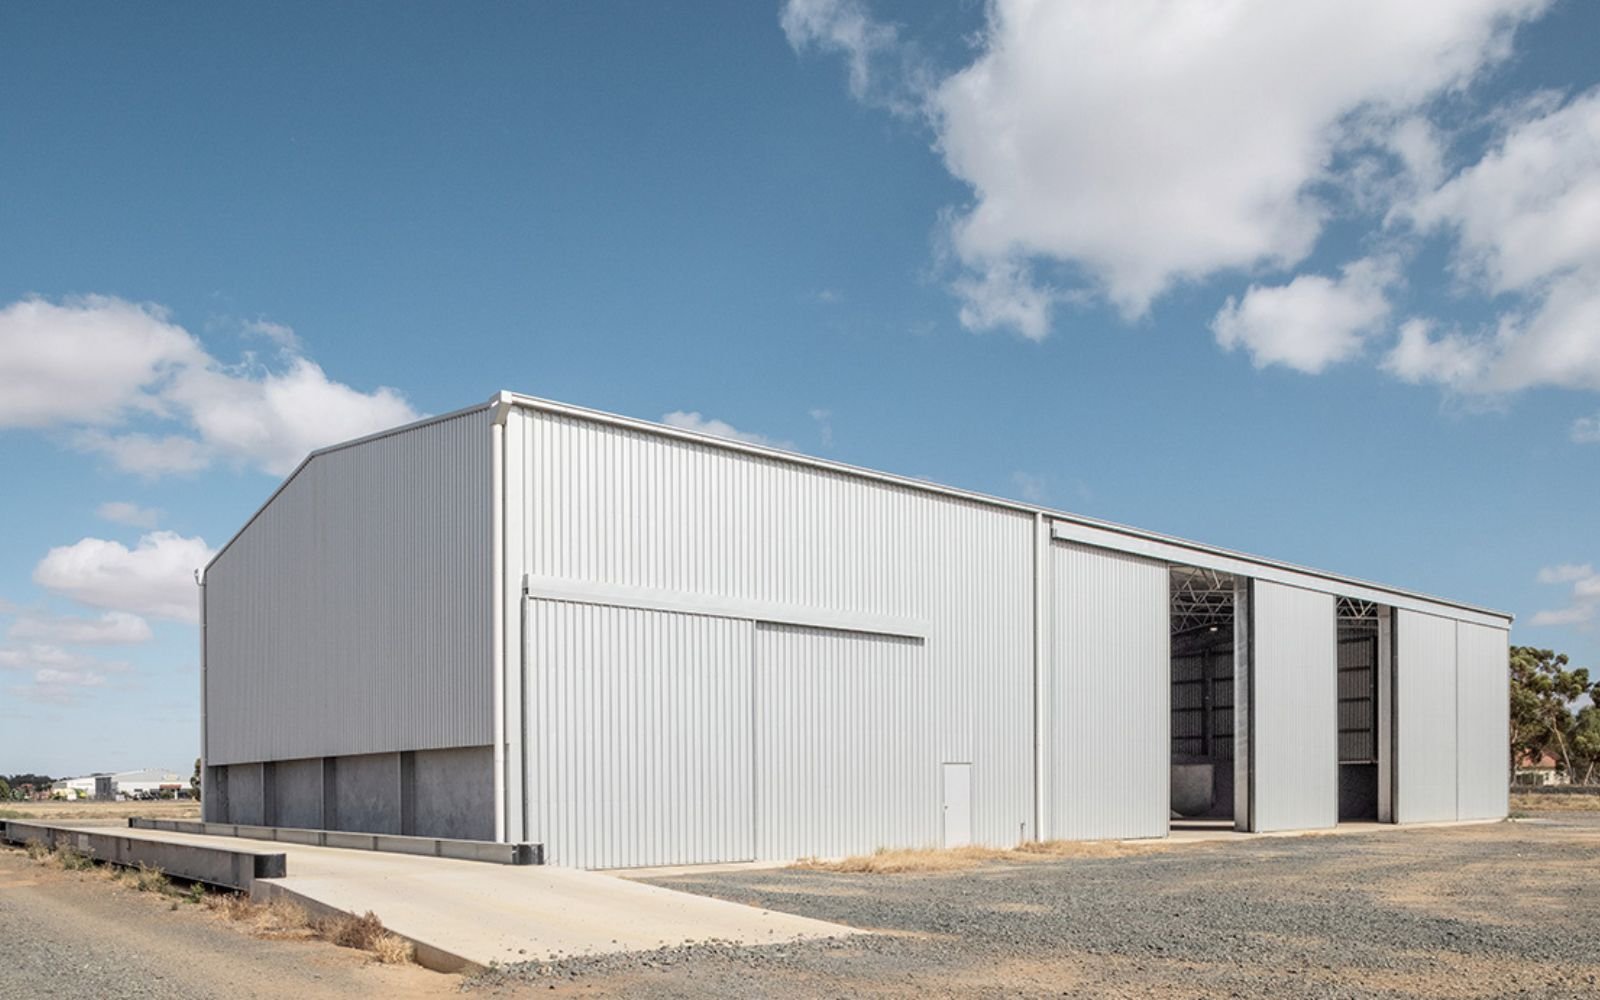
(100, 812)
(72, 934)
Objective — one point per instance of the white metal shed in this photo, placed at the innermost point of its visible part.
(639, 645)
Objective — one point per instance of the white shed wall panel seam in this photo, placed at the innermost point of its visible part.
(1107, 724)
(1425, 718)
(352, 616)
(641, 736)
(623, 509)
(1295, 734)
(846, 751)
(1482, 722)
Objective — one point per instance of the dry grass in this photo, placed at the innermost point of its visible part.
(147, 879)
(365, 933)
(280, 919)
(1526, 802)
(90, 812)
(887, 861)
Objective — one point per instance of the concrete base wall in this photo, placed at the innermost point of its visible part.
(297, 793)
(424, 793)
(366, 794)
(454, 793)
(246, 799)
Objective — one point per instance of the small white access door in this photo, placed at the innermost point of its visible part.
(957, 805)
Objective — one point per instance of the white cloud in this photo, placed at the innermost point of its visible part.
(129, 384)
(1586, 430)
(54, 675)
(144, 454)
(281, 335)
(273, 418)
(1526, 218)
(692, 421)
(123, 512)
(1313, 321)
(884, 70)
(88, 360)
(154, 578)
(1419, 356)
(1566, 573)
(110, 629)
(1150, 142)
(1576, 614)
(1584, 602)
(1003, 293)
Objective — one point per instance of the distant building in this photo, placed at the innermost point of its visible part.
(1541, 771)
(122, 784)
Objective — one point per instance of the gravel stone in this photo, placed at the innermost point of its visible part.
(1489, 910)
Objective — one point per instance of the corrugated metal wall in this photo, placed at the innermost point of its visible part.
(1425, 718)
(846, 757)
(646, 513)
(1108, 749)
(641, 736)
(353, 614)
(1482, 722)
(1295, 739)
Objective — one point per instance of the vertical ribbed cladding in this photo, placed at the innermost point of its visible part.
(1109, 752)
(1296, 690)
(644, 742)
(625, 507)
(1425, 718)
(1482, 722)
(351, 616)
(845, 733)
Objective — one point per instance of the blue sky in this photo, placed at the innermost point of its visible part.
(1318, 284)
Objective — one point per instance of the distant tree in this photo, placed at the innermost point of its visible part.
(5, 790)
(194, 781)
(1586, 743)
(1543, 691)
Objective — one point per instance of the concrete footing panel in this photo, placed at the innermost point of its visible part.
(297, 793)
(447, 793)
(454, 793)
(366, 794)
(246, 793)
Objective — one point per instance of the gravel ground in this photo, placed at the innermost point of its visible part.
(1483, 911)
(76, 934)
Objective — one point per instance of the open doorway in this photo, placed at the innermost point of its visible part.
(1359, 654)
(1202, 698)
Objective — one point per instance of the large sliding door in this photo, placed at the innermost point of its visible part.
(1108, 718)
(846, 755)
(1425, 718)
(640, 735)
(1294, 739)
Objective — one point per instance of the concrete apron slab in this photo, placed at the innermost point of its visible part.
(463, 915)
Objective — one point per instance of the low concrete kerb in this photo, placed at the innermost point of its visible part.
(487, 851)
